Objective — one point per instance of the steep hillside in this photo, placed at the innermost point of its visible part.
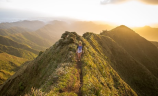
(10, 50)
(13, 30)
(118, 62)
(55, 72)
(155, 43)
(138, 47)
(17, 52)
(31, 39)
(148, 32)
(9, 65)
(143, 82)
(24, 36)
(8, 42)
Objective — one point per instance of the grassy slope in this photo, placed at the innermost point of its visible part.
(138, 47)
(99, 77)
(54, 72)
(10, 60)
(17, 52)
(108, 68)
(24, 36)
(13, 30)
(9, 42)
(9, 65)
(31, 39)
(12, 49)
(130, 70)
(17, 41)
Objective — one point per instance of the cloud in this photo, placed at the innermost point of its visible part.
(152, 2)
(104, 2)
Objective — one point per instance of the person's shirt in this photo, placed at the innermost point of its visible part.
(80, 48)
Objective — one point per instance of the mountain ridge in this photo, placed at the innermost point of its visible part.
(60, 72)
(116, 62)
(140, 48)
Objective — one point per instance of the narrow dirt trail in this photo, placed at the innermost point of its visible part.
(79, 67)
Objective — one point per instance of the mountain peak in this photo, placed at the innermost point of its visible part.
(122, 28)
(124, 31)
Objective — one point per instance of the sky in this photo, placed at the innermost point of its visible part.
(134, 13)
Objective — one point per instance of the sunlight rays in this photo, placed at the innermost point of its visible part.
(131, 13)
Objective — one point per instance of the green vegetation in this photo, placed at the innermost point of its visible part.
(9, 65)
(57, 73)
(10, 49)
(12, 30)
(99, 77)
(18, 52)
(8, 42)
(31, 39)
(114, 63)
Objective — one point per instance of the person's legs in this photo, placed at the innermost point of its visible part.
(80, 56)
(76, 56)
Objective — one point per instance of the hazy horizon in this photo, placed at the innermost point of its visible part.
(133, 13)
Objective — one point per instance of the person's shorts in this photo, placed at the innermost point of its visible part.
(79, 51)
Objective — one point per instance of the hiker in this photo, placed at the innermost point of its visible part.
(79, 51)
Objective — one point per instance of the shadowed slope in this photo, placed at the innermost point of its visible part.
(155, 43)
(137, 63)
(99, 78)
(138, 47)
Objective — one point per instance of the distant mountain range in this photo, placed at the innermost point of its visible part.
(117, 62)
(18, 44)
(31, 25)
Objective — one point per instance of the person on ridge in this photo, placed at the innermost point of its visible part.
(79, 51)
